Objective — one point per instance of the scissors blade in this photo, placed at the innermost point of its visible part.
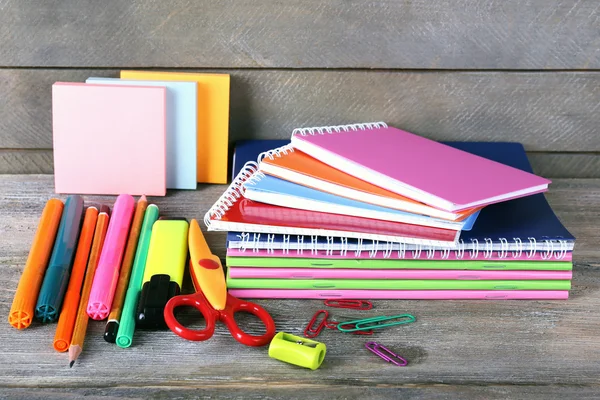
(207, 271)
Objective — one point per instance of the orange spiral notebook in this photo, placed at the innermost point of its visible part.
(295, 166)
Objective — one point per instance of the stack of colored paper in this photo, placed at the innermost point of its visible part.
(142, 134)
(369, 211)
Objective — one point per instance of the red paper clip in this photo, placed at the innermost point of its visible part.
(313, 330)
(351, 304)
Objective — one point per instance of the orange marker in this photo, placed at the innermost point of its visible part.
(66, 321)
(81, 322)
(21, 312)
(112, 326)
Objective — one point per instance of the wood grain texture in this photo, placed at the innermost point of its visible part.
(549, 165)
(454, 348)
(244, 391)
(419, 34)
(544, 111)
(31, 161)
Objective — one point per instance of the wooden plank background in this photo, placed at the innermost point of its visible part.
(415, 34)
(453, 70)
(555, 115)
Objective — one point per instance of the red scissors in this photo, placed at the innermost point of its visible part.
(211, 298)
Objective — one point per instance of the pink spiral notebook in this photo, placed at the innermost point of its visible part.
(401, 294)
(355, 273)
(416, 167)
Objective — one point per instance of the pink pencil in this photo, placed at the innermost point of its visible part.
(354, 273)
(401, 294)
(107, 272)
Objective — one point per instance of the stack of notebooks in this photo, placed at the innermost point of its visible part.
(373, 212)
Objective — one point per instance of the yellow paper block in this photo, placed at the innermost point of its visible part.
(213, 119)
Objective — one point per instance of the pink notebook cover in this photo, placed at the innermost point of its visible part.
(353, 273)
(401, 294)
(109, 139)
(409, 254)
(455, 176)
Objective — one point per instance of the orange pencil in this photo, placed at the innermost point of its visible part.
(66, 321)
(112, 326)
(82, 318)
(22, 309)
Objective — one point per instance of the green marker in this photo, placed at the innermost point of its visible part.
(127, 323)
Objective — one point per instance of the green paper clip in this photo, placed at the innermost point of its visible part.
(297, 350)
(373, 323)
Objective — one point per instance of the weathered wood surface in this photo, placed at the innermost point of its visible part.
(418, 34)
(482, 349)
(549, 165)
(544, 111)
(311, 391)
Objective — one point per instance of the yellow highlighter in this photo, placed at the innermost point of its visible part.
(163, 275)
(208, 274)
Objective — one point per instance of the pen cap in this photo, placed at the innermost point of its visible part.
(297, 350)
(155, 295)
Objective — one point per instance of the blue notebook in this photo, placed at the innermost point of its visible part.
(525, 224)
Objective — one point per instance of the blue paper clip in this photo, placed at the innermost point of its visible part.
(386, 354)
(373, 323)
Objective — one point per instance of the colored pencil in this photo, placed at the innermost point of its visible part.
(81, 322)
(66, 321)
(112, 326)
(22, 309)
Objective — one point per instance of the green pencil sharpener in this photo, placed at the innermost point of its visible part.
(297, 350)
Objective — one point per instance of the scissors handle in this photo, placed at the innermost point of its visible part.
(235, 305)
(198, 301)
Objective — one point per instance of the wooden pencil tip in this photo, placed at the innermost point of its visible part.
(74, 352)
(143, 198)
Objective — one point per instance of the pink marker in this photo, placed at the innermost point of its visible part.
(107, 272)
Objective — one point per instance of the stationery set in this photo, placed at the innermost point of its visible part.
(343, 213)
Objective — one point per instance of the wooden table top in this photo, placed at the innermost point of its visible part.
(481, 349)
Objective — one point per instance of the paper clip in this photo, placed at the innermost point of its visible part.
(313, 329)
(386, 354)
(334, 324)
(373, 323)
(351, 304)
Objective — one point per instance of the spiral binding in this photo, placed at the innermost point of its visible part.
(278, 152)
(321, 130)
(232, 194)
(548, 249)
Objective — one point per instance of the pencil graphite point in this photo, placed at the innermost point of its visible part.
(74, 352)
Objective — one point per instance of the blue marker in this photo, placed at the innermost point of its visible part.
(59, 268)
